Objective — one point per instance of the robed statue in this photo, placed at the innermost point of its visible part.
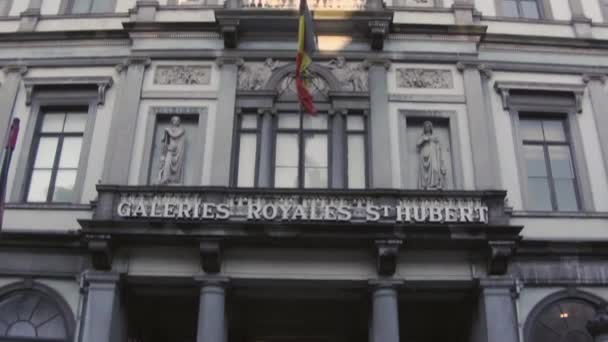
(173, 143)
(431, 169)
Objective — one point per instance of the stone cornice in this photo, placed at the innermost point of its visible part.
(504, 89)
(102, 83)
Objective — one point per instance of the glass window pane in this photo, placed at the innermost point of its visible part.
(554, 130)
(566, 195)
(509, 8)
(249, 121)
(70, 152)
(64, 186)
(81, 6)
(355, 123)
(287, 150)
(53, 122)
(247, 158)
(39, 186)
(289, 121)
(75, 122)
(530, 9)
(315, 122)
(45, 155)
(535, 161)
(531, 129)
(315, 177)
(101, 6)
(315, 150)
(561, 162)
(539, 194)
(286, 177)
(356, 162)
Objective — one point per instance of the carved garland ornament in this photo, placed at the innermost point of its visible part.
(182, 75)
(424, 78)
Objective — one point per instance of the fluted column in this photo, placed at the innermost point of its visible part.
(598, 326)
(385, 311)
(211, 313)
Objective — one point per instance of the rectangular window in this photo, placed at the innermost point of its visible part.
(356, 152)
(247, 150)
(302, 150)
(57, 146)
(89, 6)
(548, 164)
(530, 9)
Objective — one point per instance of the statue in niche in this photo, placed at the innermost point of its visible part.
(352, 78)
(255, 77)
(431, 169)
(173, 143)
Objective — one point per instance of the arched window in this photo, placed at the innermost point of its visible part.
(562, 318)
(31, 315)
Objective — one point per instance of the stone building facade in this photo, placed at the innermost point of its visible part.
(166, 186)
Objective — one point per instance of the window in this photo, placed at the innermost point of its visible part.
(31, 316)
(548, 164)
(57, 148)
(303, 151)
(562, 320)
(522, 9)
(5, 7)
(89, 6)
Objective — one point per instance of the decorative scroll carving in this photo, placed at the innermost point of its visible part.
(253, 76)
(431, 168)
(352, 76)
(182, 75)
(424, 78)
(172, 155)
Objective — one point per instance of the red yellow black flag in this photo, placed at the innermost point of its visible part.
(307, 44)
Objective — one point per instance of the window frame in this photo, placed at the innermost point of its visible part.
(301, 148)
(67, 6)
(544, 10)
(40, 103)
(237, 149)
(544, 107)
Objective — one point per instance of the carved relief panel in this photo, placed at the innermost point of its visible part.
(182, 75)
(424, 78)
(351, 75)
(254, 75)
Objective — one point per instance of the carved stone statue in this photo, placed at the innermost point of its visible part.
(351, 77)
(255, 76)
(172, 153)
(431, 170)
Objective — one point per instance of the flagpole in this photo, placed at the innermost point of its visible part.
(6, 163)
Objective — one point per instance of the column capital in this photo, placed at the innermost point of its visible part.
(229, 60)
(387, 253)
(211, 255)
(385, 62)
(97, 277)
(598, 325)
(268, 110)
(497, 285)
(385, 283)
(599, 77)
(500, 253)
(15, 68)
(216, 281)
(134, 60)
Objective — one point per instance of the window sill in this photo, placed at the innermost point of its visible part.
(527, 20)
(560, 214)
(49, 206)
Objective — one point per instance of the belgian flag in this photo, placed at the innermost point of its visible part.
(307, 45)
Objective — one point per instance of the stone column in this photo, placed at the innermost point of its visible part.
(104, 315)
(8, 95)
(266, 141)
(338, 151)
(484, 147)
(124, 121)
(381, 168)
(495, 318)
(599, 103)
(598, 325)
(224, 121)
(211, 312)
(385, 311)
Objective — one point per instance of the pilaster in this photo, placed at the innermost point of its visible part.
(599, 103)
(8, 95)
(495, 318)
(463, 12)
(124, 120)
(481, 129)
(104, 314)
(339, 151)
(381, 168)
(224, 121)
(212, 309)
(266, 141)
(145, 10)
